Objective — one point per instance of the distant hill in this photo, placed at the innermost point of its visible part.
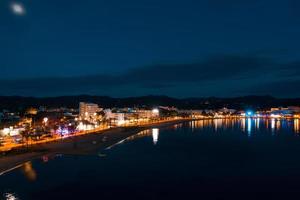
(21, 103)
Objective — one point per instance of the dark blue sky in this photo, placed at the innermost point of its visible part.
(140, 47)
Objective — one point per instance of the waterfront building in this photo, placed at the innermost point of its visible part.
(147, 114)
(88, 111)
(226, 111)
(295, 109)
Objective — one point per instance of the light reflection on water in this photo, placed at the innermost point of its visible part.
(155, 134)
(273, 125)
(28, 171)
(296, 126)
(257, 121)
(177, 126)
(249, 128)
(247, 125)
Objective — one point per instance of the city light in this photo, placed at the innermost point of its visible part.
(85, 127)
(121, 122)
(11, 131)
(249, 113)
(155, 111)
(86, 120)
(274, 116)
(6, 131)
(45, 120)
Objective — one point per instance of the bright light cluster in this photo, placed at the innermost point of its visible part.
(85, 127)
(11, 131)
(155, 111)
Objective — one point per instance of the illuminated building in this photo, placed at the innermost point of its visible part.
(148, 113)
(11, 131)
(128, 116)
(88, 111)
(32, 111)
(118, 118)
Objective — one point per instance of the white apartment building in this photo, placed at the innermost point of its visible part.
(88, 111)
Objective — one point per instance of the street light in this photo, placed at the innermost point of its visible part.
(155, 111)
(45, 120)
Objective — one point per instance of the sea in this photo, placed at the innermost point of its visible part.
(205, 159)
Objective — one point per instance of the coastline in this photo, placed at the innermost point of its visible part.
(79, 145)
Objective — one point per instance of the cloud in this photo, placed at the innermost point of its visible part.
(230, 4)
(282, 88)
(214, 74)
(290, 70)
(156, 86)
(214, 68)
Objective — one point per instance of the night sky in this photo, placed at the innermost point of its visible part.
(180, 48)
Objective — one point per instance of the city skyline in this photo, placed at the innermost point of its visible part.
(149, 99)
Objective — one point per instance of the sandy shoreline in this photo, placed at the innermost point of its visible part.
(79, 145)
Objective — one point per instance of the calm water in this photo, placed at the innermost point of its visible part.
(213, 159)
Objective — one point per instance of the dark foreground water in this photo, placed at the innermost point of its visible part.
(212, 159)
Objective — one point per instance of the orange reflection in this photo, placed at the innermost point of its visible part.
(243, 124)
(177, 126)
(29, 172)
(296, 126)
(141, 134)
(217, 124)
(278, 124)
(273, 122)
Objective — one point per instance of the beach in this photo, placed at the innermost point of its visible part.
(78, 145)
